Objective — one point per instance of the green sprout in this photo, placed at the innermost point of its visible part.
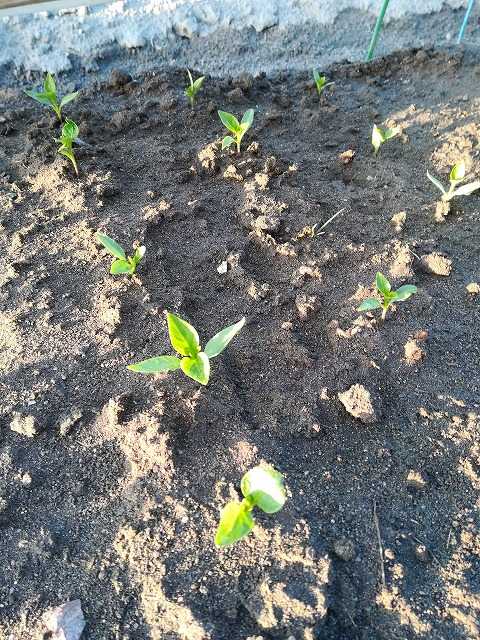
(388, 296)
(321, 82)
(49, 96)
(261, 487)
(66, 140)
(194, 362)
(379, 136)
(457, 175)
(237, 128)
(193, 88)
(123, 263)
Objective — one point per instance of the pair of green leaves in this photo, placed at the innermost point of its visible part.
(457, 175)
(49, 97)
(123, 263)
(195, 363)
(388, 296)
(237, 128)
(379, 136)
(193, 87)
(69, 135)
(261, 487)
(321, 82)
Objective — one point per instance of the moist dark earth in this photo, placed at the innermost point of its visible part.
(111, 482)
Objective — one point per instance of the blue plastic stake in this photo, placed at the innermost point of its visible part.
(465, 21)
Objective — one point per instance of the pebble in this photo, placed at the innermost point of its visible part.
(24, 425)
(415, 480)
(473, 288)
(358, 403)
(421, 553)
(436, 263)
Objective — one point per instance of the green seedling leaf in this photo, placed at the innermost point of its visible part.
(124, 263)
(457, 172)
(111, 246)
(387, 295)
(227, 142)
(380, 136)
(230, 121)
(457, 175)
(197, 368)
(369, 304)
(404, 292)
(217, 344)
(235, 523)
(48, 97)
(467, 189)
(49, 85)
(69, 135)
(183, 336)
(264, 488)
(237, 128)
(247, 119)
(193, 87)
(68, 98)
(159, 364)
(120, 266)
(383, 285)
(321, 82)
(436, 182)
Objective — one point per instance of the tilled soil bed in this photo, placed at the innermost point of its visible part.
(111, 482)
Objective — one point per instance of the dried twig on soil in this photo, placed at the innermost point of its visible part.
(329, 220)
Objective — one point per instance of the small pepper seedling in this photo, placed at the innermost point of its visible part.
(49, 97)
(261, 487)
(388, 296)
(68, 137)
(237, 128)
(122, 263)
(194, 362)
(456, 176)
(379, 136)
(193, 88)
(321, 82)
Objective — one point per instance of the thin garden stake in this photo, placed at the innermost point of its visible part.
(465, 21)
(376, 31)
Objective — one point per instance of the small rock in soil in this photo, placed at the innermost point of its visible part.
(398, 221)
(25, 425)
(346, 157)
(358, 403)
(415, 480)
(305, 305)
(413, 352)
(236, 95)
(231, 173)
(473, 288)
(344, 549)
(65, 622)
(421, 553)
(437, 264)
(442, 209)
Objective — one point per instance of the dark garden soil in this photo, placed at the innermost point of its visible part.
(111, 483)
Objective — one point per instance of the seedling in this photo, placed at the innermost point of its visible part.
(261, 487)
(237, 128)
(193, 88)
(66, 140)
(379, 136)
(49, 97)
(457, 175)
(388, 296)
(194, 362)
(123, 263)
(321, 82)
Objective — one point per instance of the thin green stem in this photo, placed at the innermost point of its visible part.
(376, 31)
